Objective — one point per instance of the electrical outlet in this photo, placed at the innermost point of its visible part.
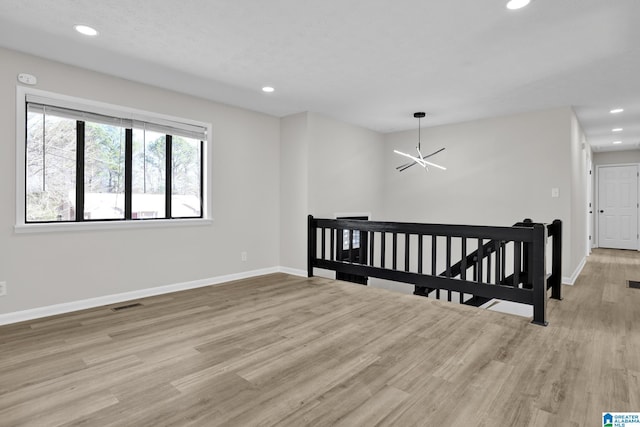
(243, 256)
(3, 288)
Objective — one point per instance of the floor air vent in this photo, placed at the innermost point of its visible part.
(124, 307)
(633, 284)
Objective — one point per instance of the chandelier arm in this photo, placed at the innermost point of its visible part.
(404, 164)
(433, 154)
(434, 165)
(407, 166)
(409, 156)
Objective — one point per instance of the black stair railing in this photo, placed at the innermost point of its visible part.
(554, 231)
(507, 263)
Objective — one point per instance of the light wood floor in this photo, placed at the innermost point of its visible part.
(287, 351)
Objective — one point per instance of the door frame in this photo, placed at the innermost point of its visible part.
(596, 191)
(591, 202)
(591, 209)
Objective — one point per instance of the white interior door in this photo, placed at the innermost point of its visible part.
(618, 207)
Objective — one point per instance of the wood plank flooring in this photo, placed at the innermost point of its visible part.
(288, 351)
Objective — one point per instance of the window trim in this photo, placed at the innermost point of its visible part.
(21, 226)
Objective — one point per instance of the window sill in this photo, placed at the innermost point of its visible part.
(109, 225)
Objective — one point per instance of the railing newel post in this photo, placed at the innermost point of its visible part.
(556, 263)
(537, 275)
(311, 245)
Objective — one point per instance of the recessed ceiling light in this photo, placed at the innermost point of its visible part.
(617, 142)
(86, 30)
(268, 89)
(616, 130)
(517, 4)
(616, 110)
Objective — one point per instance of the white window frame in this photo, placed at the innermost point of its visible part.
(21, 226)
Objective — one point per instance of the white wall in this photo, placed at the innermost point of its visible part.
(328, 167)
(294, 196)
(47, 269)
(344, 168)
(616, 157)
(499, 171)
(580, 166)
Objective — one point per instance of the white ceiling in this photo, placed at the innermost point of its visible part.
(371, 63)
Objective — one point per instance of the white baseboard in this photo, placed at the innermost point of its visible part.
(52, 310)
(571, 280)
(293, 271)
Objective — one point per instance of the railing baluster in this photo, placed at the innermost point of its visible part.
(395, 251)
(416, 289)
(498, 260)
(434, 257)
(383, 248)
(503, 273)
(517, 262)
(350, 245)
(480, 259)
(448, 265)
(434, 246)
(407, 238)
(526, 258)
(332, 239)
(463, 265)
(489, 267)
(448, 269)
(322, 241)
(420, 253)
(371, 249)
(529, 269)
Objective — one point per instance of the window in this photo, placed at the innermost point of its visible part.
(84, 162)
(50, 163)
(149, 174)
(104, 165)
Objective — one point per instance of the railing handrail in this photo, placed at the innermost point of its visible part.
(522, 234)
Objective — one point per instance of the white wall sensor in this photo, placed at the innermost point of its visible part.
(27, 79)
